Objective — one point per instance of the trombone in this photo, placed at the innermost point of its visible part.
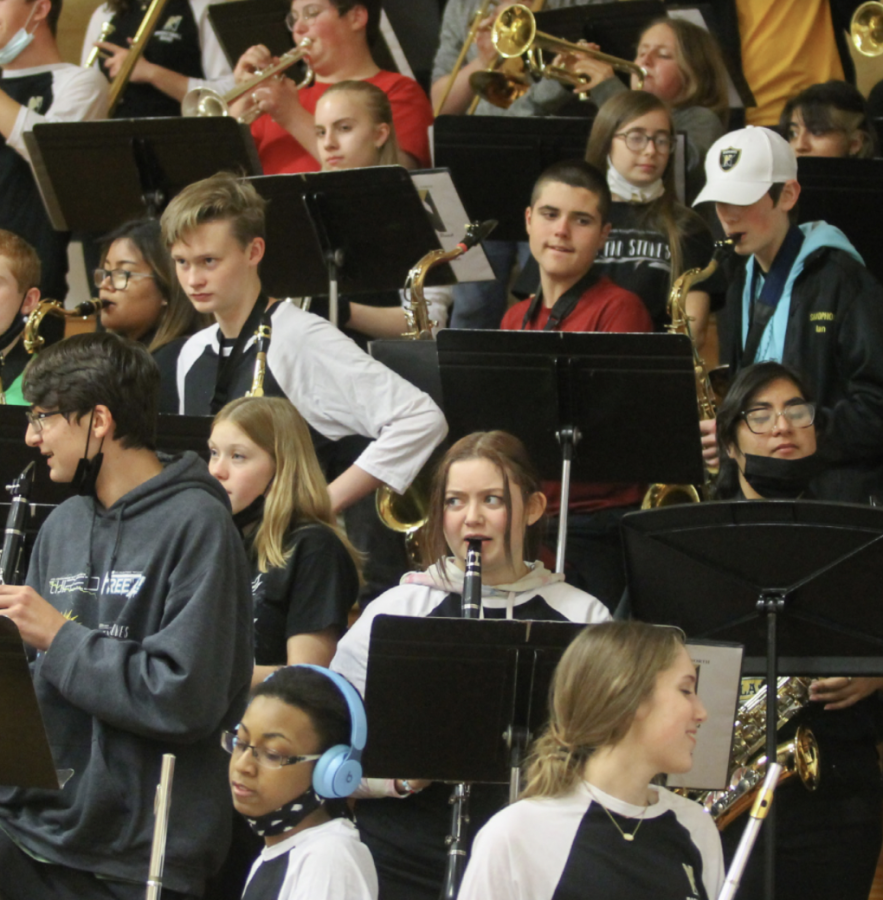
(205, 102)
(107, 29)
(477, 19)
(866, 29)
(515, 34)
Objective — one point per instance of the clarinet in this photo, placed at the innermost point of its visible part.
(14, 536)
(459, 836)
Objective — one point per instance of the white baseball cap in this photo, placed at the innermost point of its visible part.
(742, 166)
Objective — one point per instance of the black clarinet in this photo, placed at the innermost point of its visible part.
(14, 536)
(459, 837)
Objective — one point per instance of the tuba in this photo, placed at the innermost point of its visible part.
(659, 495)
(33, 340)
(407, 513)
(799, 756)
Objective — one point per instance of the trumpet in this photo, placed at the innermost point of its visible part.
(515, 34)
(866, 29)
(206, 102)
(33, 340)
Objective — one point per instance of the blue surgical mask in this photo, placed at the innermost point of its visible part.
(18, 42)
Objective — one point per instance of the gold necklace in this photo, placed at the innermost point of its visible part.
(626, 836)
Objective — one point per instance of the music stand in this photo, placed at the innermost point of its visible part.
(355, 231)
(764, 574)
(847, 193)
(582, 403)
(25, 757)
(128, 168)
(249, 22)
(496, 160)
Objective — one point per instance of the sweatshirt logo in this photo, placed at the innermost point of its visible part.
(729, 158)
(75, 584)
(125, 584)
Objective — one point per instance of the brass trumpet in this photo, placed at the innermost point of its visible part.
(206, 102)
(866, 29)
(515, 34)
(33, 340)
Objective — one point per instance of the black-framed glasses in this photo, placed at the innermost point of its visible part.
(763, 419)
(119, 278)
(269, 759)
(309, 14)
(636, 140)
(35, 419)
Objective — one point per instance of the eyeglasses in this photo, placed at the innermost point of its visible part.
(35, 419)
(309, 15)
(269, 759)
(119, 278)
(763, 420)
(636, 140)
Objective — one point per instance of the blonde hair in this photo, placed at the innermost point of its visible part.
(665, 215)
(602, 679)
(298, 491)
(224, 196)
(24, 263)
(376, 103)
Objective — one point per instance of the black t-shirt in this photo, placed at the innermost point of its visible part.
(174, 45)
(314, 590)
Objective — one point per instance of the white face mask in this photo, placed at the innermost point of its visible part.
(18, 42)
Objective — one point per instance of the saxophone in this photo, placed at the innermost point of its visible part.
(33, 340)
(262, 342)
(659, 495)
(799, 756)
(408, 512)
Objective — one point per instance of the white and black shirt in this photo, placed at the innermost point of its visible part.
(327, 862)
(567, 848)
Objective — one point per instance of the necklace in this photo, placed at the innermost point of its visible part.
(626, 836)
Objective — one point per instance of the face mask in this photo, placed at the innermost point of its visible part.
(86, 475)
(18, 42)
(288, 816)
(781, 479)
(252, 513)
(620, 186)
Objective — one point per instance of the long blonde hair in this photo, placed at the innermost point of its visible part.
(298, 491)
(602, 679)
(665, 215)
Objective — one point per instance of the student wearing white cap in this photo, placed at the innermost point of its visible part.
(803, 297)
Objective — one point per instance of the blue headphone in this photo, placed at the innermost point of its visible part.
(339, 770)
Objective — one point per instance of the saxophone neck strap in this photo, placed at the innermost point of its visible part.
(565, 304)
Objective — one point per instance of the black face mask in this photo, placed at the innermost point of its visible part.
(781, 479)
(252, 513)
(288, 816)
(86, 475)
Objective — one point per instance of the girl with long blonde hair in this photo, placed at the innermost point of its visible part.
(306, 572)
(623, 709)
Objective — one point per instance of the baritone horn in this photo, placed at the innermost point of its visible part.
(204, 102)
(515, 34)
(866, 29)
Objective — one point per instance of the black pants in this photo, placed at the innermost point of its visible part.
(23, 878)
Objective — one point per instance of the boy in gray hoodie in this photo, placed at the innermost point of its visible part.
(138, 605)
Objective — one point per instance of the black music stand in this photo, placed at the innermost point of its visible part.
(496, 160)
(455, 730)
(128, 168)
(25, 757)
(766, 575)
(353, 231)
(249, 22)
(581, 403)
(847, 193)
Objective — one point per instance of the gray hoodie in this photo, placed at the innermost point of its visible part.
(156, 658)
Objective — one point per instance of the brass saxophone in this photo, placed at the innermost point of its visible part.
(408, 512)
(799, 756)
(659, 495)
(262, 341)
(33, 340)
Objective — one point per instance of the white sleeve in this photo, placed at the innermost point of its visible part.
(93, 31)
(340, 390)
(78, 95)
(490, 873)
(351, 657)
(218, 73)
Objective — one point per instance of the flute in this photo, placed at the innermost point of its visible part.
(161, 807)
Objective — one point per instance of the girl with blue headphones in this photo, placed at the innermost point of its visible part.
(294, 758)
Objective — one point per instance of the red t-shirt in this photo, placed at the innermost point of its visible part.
(411, 114)
(603, 307)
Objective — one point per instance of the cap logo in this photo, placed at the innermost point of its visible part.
(729, 158)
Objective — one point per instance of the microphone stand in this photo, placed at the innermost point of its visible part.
(459, 836)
